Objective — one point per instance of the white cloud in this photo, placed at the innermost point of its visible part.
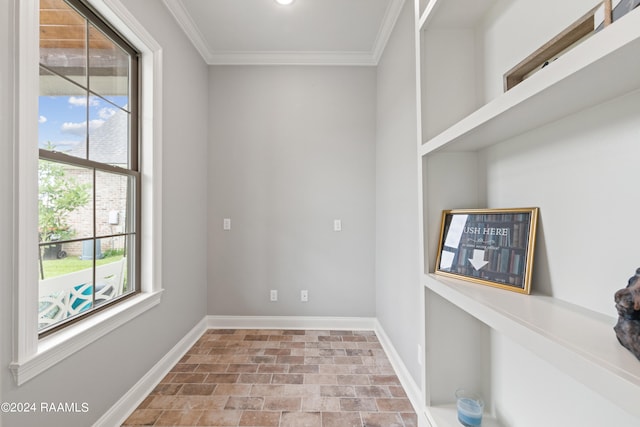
(77, 102)
(81, 101)
(74, 128)
(106, 113)
(80, 128)
(42, 119)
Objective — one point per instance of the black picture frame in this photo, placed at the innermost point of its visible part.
(492, 247)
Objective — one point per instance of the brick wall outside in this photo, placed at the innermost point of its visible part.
(110, 196)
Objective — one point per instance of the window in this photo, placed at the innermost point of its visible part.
(124, 191)
(88, 171)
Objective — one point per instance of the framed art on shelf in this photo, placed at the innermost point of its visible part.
(492, 247)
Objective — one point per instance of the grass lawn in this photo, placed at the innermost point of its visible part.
(58, 267)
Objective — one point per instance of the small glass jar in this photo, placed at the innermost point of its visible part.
(470, 408)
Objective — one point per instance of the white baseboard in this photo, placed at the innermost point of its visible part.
(291, 322)
(130, 401)
(408, 383)
(119, 412)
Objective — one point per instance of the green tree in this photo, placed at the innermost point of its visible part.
(59, 195)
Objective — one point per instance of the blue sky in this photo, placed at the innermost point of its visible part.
(63, 119)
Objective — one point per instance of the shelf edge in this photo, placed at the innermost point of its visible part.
(601, 47)
(614, 383)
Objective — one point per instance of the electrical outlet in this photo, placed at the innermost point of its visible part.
(304, 296)
(226, 224)
(337, 225)
(273, 296)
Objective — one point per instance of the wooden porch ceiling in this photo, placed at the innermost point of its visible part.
(62, 27)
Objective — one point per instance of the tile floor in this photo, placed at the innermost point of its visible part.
(279, 378)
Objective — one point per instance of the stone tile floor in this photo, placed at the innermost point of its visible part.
(280, 378)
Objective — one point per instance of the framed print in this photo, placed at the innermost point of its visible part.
(489, 246)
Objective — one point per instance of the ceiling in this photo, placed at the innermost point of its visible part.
(319, 32)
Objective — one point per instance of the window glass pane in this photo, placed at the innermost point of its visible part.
(113, 203)
(87, 215)
(111, 271)
(63, 35)
(65, 286)
(108, 133)
(65, 208)
(62, 110)
(108, 68)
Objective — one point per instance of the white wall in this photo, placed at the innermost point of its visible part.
(530, 392)
(102, 372)
(587, 236)
(292, 149)
(398, 293)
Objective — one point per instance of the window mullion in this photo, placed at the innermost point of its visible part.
(59, 157)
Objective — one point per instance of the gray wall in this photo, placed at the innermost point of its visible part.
(102, 372)
(292, 149)
(398, 294)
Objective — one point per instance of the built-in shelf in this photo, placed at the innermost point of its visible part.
(578, 341)
(473, 139)
(563, 88)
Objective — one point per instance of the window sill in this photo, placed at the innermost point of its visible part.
(63, 344)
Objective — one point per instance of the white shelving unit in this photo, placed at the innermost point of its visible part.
(554, 92)
(462, 118)
(546, 326)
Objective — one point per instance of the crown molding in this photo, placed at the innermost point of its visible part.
(386, 28)
(357, 58)
(180, 14)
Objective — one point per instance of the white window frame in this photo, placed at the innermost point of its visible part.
(32, 355)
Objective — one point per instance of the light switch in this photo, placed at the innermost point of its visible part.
(337, 225)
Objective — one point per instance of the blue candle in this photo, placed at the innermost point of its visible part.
(470, 411)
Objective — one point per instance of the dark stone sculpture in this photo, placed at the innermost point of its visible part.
(628, 306)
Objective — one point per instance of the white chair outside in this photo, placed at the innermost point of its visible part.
(69, 294)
